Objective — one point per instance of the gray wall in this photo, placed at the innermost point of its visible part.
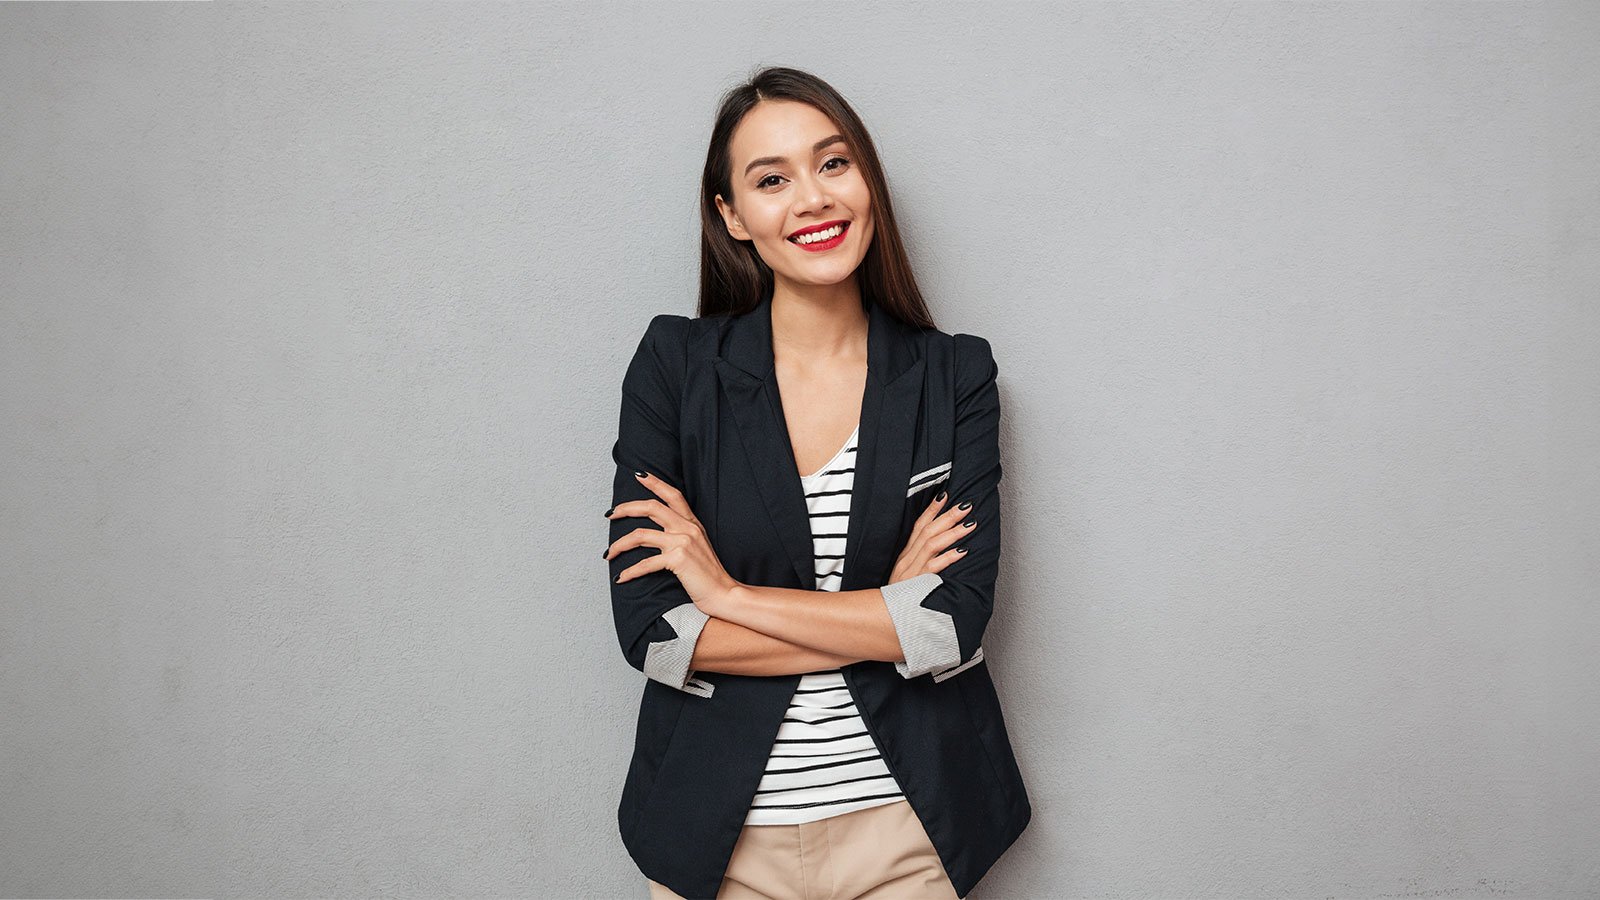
(312, 323)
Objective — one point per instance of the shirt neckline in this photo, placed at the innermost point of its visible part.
(829, 464)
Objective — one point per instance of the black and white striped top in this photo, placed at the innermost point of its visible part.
(823, 762)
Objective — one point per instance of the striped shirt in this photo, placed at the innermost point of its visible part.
(823, 762)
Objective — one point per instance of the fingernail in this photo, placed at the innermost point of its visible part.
(618, 579)
(968, 524)
(940, 498)
(638, 474)
(604, 552)
(607, 513)
(965, 504)
(961, 549)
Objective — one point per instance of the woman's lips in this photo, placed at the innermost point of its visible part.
(829, 244)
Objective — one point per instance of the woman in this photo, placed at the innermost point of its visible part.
(804, 542)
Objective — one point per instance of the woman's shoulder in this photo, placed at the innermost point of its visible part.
(669, 327)
(969, 347)
(973, 352)
(666, 326)
(668, 334)
(970, 355)
(677, 342)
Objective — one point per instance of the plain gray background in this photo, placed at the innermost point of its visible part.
(313, 320)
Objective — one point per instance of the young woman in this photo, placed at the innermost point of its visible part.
(804, 541)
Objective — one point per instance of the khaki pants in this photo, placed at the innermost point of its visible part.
(877, 853)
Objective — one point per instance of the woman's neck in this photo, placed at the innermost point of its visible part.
(819, 325)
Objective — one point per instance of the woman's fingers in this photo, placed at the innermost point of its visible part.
(929, 513)
(927, 521)
(664, 541)
(654, 563)
(942, 539)
(952, 515)
(933, 532)
(685, 549)
(656, 511)
(672, 512)
(646, 537)
(946, 521)
(938, 563)
(669, 495)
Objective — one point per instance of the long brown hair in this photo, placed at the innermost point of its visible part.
(733, 278)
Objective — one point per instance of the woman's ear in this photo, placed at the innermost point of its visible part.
(730, 220)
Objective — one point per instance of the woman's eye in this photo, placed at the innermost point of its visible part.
(839, 159)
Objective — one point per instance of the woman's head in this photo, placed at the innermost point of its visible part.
(788, 154)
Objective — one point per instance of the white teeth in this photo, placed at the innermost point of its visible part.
(830, 234)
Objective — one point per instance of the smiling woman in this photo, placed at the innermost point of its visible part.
(815, 197)
(811, 617)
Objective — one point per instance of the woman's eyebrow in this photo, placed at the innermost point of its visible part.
(773, 160)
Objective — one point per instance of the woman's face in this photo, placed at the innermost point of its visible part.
(791, 173)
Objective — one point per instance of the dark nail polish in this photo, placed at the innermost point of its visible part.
(968, 524)
(608, 512)
(961, 549)
(618, 579)
(604, 552)
(940, 498)
(638, 474)
(965, 504)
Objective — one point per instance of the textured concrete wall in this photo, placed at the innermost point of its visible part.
(313, 317)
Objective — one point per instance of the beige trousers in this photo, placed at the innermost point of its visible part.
(877, 853)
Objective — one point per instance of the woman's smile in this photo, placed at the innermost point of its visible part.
(818, 241)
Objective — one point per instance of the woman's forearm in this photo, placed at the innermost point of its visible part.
(733, 649)
(850, 622)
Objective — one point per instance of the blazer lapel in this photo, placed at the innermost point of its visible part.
(883, 465)
(889, 407)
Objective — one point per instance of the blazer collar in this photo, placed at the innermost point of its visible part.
(889, 415)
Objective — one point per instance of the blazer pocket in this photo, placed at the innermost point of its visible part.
(928, 478)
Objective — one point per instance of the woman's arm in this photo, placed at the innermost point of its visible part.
(736, 650)
(839, 624)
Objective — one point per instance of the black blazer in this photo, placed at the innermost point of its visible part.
(701, 410)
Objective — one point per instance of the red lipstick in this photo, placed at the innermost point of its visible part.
(819, 246)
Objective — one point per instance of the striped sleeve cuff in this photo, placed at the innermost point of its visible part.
(927, 636)
(668, 661)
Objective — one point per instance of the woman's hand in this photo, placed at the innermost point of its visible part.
(933, 532)
(685, 549)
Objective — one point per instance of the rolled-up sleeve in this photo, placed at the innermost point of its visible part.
(657, 622)
(927, 636)
(940, 617)
(668, 661)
